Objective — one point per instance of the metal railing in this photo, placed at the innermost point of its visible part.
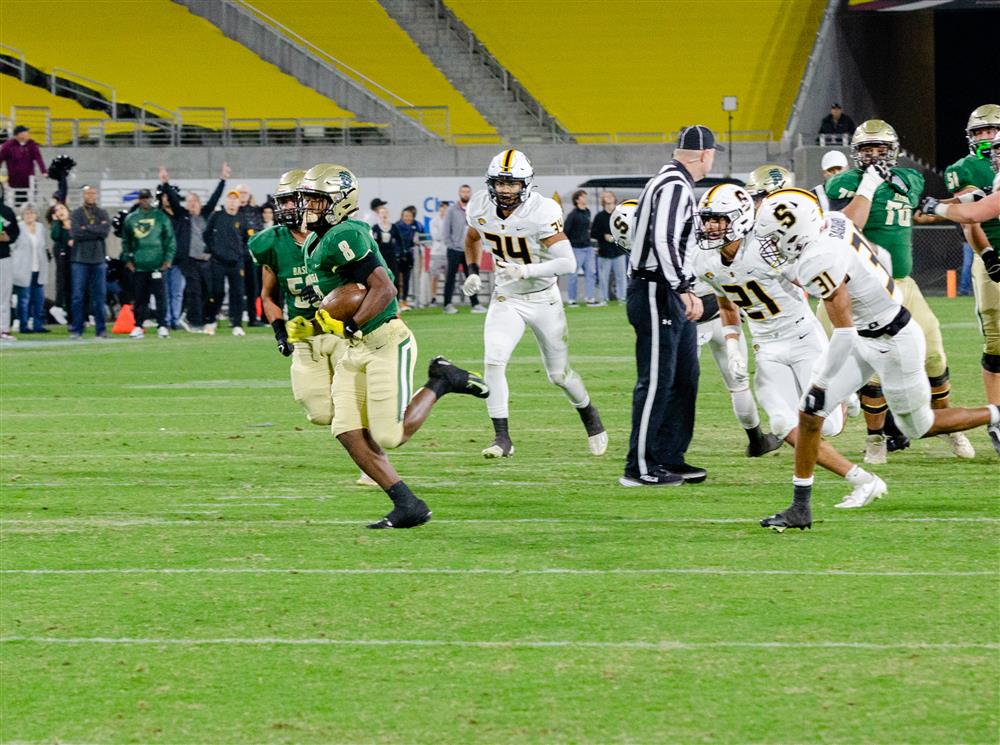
(16, 64)
(91, 93)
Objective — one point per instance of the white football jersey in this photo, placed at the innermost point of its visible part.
(772, 305)
(518, 237)
(842, 255)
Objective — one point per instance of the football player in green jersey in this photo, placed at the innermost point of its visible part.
(969, 179)
(881, 196)
(374, 405)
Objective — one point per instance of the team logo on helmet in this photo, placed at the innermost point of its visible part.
(725, 214)
(333, 185)
(622, 223)
(762, 181)
(509, 168)
(788, 221)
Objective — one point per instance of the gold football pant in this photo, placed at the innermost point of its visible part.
(935, 363)
(374, 383)
(313, 363)
(987, 308)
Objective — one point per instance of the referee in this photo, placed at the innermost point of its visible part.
(662, 308)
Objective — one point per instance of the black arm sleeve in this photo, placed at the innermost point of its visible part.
(358, 271)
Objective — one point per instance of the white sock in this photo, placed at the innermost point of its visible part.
(745, 408)
(802, 481)
(858, 476)
(496, 402)
(994, 413)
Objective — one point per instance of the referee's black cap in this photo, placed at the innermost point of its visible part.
(697, 137)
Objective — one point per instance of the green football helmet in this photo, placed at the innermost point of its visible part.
(287, 192)
(983, 119)
(333, 183)
(874, 132)
(766, 179)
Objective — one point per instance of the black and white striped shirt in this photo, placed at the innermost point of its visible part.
(663, 232)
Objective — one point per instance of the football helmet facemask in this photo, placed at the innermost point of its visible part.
(995, 153)
(978, 129)
(622, 219)
(762, 181)
(731, 208)
(330, 184)
(286, 199)
(788, 221)
(510, 166)
(874, 133)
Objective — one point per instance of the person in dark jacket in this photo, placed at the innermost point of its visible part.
(148, 250)
(409, 229)
(62, 243)
(89, 227)
(251, 215)
(21, 154)
(610, 256)
(225, 238)
(577, 229)
(9, 231)
(389, 239)
(837, 123)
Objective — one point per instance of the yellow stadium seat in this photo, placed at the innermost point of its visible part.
(652, 66)
(155, 50)
(363, 36)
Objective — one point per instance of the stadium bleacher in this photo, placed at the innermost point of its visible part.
(572, 61)
(371, 42)
(162, 53)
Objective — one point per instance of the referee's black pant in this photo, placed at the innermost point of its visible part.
(666, 356)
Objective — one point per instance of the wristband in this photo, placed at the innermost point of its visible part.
(350, 328)
(280, 332)
(941, 210)
(473, 269)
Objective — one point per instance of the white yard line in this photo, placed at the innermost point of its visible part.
(512, 572)
(654, 646)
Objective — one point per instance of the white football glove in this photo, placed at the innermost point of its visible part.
(874, 176)
(511, 272)
(737, 363)
(472, 285)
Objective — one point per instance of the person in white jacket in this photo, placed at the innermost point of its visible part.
(30, 254)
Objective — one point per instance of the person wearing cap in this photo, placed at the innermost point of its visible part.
(225, 236)
(148, 248)
(836, 123)
(833, 163)
(89, 227)
(663, 309)
(21, 154)
(371, 216)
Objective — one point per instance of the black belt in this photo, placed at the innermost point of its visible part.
(890, 329)
(648, 276)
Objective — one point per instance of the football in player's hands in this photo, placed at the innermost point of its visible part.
(343, 302)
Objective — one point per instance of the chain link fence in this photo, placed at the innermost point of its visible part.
(937, 249)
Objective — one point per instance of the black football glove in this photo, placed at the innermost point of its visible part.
(814, 401)
(992, 263)
(882, 169)
(311, 295)
(281, 336)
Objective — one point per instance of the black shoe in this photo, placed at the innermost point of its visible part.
(763, 445)
(691, 474)
(795, 516)
(43, 330)
(896, 442)
(410, 515)
(457, 379)
(656, 478)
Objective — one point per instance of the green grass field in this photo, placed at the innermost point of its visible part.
(184, 560)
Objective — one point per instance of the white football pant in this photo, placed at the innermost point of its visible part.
(506, 321)
(744, 407)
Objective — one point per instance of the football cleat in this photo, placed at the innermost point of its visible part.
(960, 445)
(598, 443)
(457, 379)
(691, 474)
(994, 432)
(863, 494)
(137, 332)
(597, 436)
(499, 449)
(410, 515)
(796, 516)
(658, 477)
(766, 444)
(875, 450)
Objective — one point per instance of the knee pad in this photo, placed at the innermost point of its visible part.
(934, 362)
(871, 390)
(561, 378)
(319, 410)
(319, 417)
(783, 423)
(915, 424)
(388, 439)
(991, 363)
(940, 386)
(833, 425)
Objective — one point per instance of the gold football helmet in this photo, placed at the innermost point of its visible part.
(983, 119)
(877, 133)
(766, 179)
(286, 199)
(995, 153)
(334, 184)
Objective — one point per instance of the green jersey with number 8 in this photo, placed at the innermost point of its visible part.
(890, 222)
(277, 249)
(974, 172)
(344, 244)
